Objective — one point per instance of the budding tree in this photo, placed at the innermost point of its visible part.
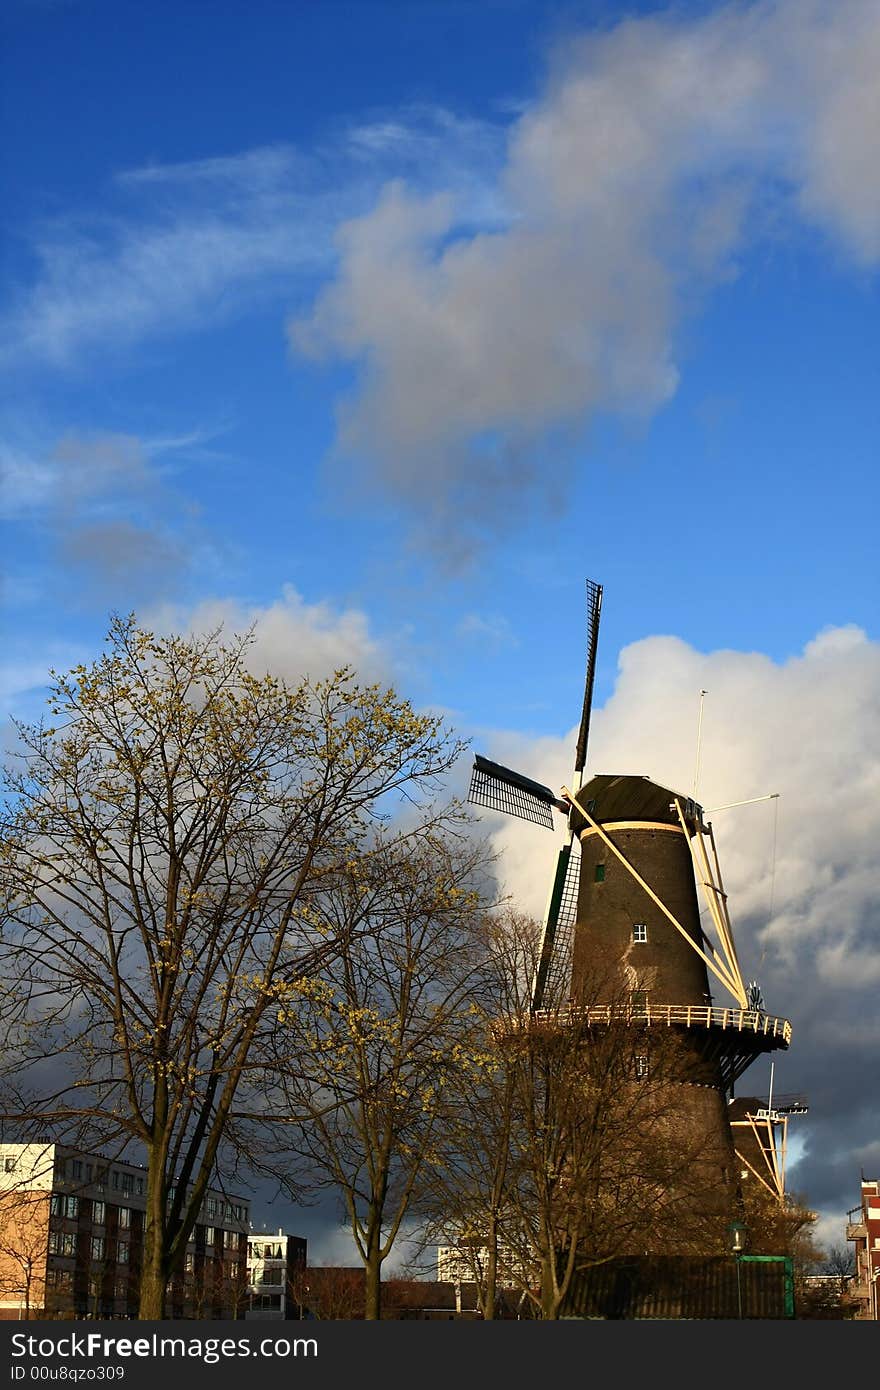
(369, 1055)
(167, 849)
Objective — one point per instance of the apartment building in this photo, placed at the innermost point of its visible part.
(275, 1261)
(71, 1240)
(469, 1260)
(863, 1229)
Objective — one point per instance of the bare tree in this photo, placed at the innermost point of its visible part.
(569, 1150)
(328, 1292)
(839, 1262)
(166, 849)
(370, 1054)
(463, 1197)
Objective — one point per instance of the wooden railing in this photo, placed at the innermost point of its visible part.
(691, 1015)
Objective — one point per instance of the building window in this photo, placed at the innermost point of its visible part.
(77, 1168)
(124, 1217)
(600, 873)
(122, 1252)
(641, 1066)
(61, 1280)
(139, 1186)
(88, 1172)
(640, 931)
(120, 1288)
(99, 1213)
(64, 1206)
(97, 1247)
(209, 1235)
(62, 1243)
(127, 1182)
(189, 1262)
(116, 1178)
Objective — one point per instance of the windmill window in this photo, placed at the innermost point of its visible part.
(639, 1001)
(640, 931)
(641, 1066)
(600, 873)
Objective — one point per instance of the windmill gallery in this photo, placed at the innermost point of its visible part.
(624, 945)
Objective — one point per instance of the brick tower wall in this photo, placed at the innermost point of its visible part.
(610, 964)
(611, 903)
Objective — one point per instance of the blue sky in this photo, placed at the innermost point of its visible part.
(387, 324)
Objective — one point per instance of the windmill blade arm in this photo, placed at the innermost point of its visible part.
(594, 612)
(501, 789)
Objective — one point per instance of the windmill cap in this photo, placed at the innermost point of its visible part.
(613, 797)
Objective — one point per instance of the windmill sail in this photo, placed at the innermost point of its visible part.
(554, 964)
(594, 611)
(501, 789)
(553, 975)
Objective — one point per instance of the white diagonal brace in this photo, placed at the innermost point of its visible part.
(717, 906)
(723, 899)
(752, 1169)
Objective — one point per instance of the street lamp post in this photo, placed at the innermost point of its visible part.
(738, 1244)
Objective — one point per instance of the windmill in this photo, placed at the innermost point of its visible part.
(623, 906)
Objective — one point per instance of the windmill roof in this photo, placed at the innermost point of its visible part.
(622, 797)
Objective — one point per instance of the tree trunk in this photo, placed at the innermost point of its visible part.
(373, 1273)
(491, 1281)
(549, 1296)
(154, 1274)
(151, 1305)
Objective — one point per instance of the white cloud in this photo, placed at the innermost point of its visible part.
(179, 245)
(628, 188)
(292, 638)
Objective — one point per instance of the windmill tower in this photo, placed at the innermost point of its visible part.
(623, 910)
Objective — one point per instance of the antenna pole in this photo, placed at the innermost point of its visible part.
(703, 694)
